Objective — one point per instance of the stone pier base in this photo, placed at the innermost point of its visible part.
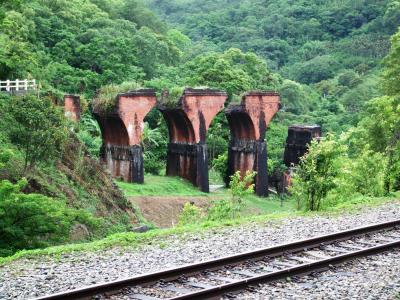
(189, 161)
(248, 122)
(125, 162)
(249, 156)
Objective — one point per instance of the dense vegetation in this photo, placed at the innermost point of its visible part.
(324, 57)
(51, 191)
(364, 160)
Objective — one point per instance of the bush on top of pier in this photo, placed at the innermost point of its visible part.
(106, 97)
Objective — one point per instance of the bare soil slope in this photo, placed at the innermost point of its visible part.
(164, 211)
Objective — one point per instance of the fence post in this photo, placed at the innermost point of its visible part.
(26, 84)
(17, 85)
(8, 85)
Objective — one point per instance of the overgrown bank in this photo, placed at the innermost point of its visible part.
(158, 237)
(51, 190)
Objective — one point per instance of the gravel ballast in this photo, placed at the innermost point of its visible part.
(375, 277)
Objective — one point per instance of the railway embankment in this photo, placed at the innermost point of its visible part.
(376, 276)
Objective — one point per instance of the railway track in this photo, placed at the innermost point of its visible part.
(224, 276)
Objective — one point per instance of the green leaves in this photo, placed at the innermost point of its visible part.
(29, 221)
(315, 176)
(38, 128)
(391, 75)
(233, 71)
(78, 46)
(241, 185)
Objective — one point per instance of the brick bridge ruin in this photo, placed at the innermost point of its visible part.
(188, 122)
(248, 122)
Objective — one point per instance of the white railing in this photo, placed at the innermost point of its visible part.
(18, 85)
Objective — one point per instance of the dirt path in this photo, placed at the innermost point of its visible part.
(164, 211)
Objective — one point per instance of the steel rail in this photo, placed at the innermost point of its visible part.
(300, 245)
(289, 272)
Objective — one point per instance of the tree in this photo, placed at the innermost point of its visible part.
(294, 99)
(384, 136)
(315, 70)
(233, 71)
(220, 164)
(315, 176)
(349, 78)
(38, 128)
(391, 75)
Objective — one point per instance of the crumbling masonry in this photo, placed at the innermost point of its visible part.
(298, 139)
(188, 121)
(72, 107)
(248, 122)
(122, 131)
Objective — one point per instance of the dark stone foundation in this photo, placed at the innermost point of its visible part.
(125, 162)
(189, 161)
(261, 167)
(298, 139)
(246, 155)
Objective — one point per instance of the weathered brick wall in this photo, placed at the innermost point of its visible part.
(72, 107)
(298, 139)
(188, 123)
(122, 131)
(248, 122)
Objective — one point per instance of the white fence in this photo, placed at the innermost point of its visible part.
(18, 85)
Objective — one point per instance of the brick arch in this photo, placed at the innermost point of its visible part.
(248, 122)
(188, 123)
(241, 125)
(114, 133)
(113, 130)
(179, 126)
(122, 130)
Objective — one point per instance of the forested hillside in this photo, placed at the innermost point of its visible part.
(319, 36)
(327, 53)
(77, 46)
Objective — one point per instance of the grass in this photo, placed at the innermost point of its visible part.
(106, 98)
(135, 240)
(254, 205)
(257, 205)
(160, 186)
(256, 210)
(176, 186)
(357, 202)
(157, 236)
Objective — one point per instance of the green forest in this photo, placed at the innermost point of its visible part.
(334, 63)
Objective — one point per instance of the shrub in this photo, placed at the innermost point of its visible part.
(171, 97)
(316, 174)
(240, 187)
(191, 214)
(220, 164)
(152, 165)
(89, 134)
(29, 221)
(152, 142)
(221, 210)
(105, 99)
(367, 174)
